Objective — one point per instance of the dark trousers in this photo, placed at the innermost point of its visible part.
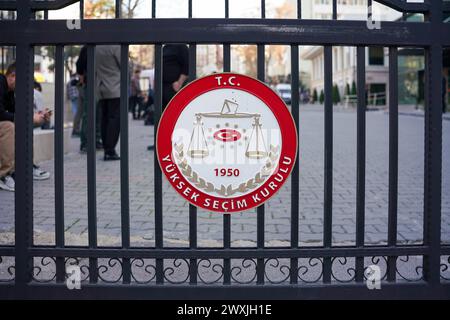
(168, 94)
(135, 101)
(83, 129)
(110, 123)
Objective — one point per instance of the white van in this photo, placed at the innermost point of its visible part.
(284, 91)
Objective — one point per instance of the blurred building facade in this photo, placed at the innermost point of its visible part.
(344, 58)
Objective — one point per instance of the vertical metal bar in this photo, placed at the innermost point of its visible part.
(295, 82)
(227, 217)
(226, 57)
(226, 46)
(159, 242)
(369, 10)
(45, 14)
(118, 9)
(433, 164)
(261, 62)
(59, 159)
(192, 242)
(328, 160)
(260, 211)
(190, 8)
(334, 9)
(361, 157)
(124, 166)
(91, 159)
(23, 154)
(299, 9)
(227, 8)
(433, 148)
(81, 9)
(226, 245)
(192, 208)
(263, 9)
(153, 8)
(393, 159)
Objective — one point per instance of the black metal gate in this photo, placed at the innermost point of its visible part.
(25, 32)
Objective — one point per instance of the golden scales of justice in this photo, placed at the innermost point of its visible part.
(198, 146)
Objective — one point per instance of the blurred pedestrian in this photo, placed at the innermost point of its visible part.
(108, 91)
(136, 98)
(81, 65)
(175, 72)
(7, 130)
(38, 105)
(72, 96)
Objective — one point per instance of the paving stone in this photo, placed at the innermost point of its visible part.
(278, 215)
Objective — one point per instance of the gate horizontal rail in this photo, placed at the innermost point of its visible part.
(235, 31)
(232, 253)
(416, 290)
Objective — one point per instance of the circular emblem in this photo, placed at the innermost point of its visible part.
(226, 142)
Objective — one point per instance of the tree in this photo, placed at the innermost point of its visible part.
(70, 56)
(321, 97)
(249, 56)
(142, 55)
(353, 88)
(347, 89)
(99, 9)
(275, 54)
(107, 8)
(129, 8)
(314, 96)
(336, 96)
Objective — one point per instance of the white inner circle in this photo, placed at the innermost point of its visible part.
(249, 160)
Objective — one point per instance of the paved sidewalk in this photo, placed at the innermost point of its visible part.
(411, 110)
(176, 227)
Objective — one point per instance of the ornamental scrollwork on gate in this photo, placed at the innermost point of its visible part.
(273, 266)
(44, 269)
(247, 266)
(311, 271)
(142, 271)
(445, 268)
(106, 271)
(347, 266)
(212, 268)
(381, 262)
(174, 274)
(81, 263)
(7, 270)
(403, 266)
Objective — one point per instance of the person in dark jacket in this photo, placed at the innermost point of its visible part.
(7, 130)
(81, 65)
(107, 84)
(175, 71)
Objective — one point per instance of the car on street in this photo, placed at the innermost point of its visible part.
(284, 91)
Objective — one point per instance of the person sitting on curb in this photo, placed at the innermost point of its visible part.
(7, 131)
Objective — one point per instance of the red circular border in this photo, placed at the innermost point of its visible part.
(241, 82)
